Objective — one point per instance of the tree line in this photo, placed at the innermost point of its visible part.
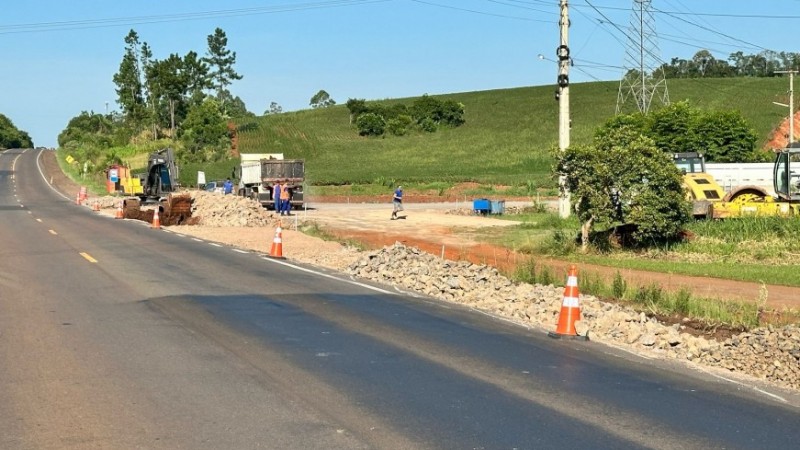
(425, 114)
(738, 64)
(181, 98)
(11, 136)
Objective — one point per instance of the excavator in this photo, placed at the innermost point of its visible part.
(158, 186)
(755, 201)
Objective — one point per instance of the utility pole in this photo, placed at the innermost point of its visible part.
(562, 94)
(791, 103)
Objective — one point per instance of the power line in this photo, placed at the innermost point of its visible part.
(177, 17)
(483, 13)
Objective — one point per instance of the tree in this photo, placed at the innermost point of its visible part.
(623, 178)
(220, 61)
(370, 124)
(356, 107)
(169, 84)
(128, 79)
(87, 128)
(673, 128)
(274, 108)
(725, 136)
(321, 100)
(235, 106)
(11, 136)
(204, 133)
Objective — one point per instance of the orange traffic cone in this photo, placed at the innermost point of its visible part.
(570, 309)
(277, 244)
(156, 219)
(119, 214)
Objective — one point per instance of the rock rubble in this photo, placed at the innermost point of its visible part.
(770, 353)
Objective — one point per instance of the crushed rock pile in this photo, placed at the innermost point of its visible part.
(211, 209)
(216, 210)
(770, 353)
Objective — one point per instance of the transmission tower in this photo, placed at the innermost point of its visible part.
(643, 79)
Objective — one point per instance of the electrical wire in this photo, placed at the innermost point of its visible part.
(177, 17)
(504, 16)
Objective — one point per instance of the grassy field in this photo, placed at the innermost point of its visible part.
(758, 249)
(506, 139)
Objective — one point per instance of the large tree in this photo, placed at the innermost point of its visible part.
(204, 133)
(130, 91)
(623, 178)
(220, 61)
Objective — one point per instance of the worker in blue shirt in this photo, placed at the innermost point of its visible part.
(227, 187)
(397, 201)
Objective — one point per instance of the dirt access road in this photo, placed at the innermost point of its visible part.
(428, 226)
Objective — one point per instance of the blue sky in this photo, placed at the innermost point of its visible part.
(59, 57)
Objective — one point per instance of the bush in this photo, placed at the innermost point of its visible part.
(427, 124)
(370, 124)
(400, 125)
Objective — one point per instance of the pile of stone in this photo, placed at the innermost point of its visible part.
(770, 353)
(217, 210)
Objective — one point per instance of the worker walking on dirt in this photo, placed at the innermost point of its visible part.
(397, 201)
(285, 198)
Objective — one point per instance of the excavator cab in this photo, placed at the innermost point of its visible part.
(786, 173)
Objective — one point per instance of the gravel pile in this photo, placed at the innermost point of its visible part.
(770, 353)
(216, 210)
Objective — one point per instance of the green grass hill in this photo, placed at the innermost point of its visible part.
(506, 139)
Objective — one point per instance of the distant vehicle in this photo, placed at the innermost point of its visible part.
(259, 172)
(215, 187)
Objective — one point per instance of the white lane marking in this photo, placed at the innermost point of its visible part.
(39, 220)
(39, 166)
(356, 283)
(240, 251)
(53, 232)
(198, 240)
(214, 244)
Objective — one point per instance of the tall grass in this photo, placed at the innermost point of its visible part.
(651, 298)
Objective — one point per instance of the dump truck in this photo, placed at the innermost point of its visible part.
(257, 177)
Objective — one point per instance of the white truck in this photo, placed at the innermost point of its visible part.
(258, 173)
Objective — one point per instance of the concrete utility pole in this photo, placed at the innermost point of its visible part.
(562, 93)
(791, 103)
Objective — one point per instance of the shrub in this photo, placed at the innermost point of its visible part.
(399, 125)
(427, 124)
(370, 124)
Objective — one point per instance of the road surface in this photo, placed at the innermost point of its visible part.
(116, 335)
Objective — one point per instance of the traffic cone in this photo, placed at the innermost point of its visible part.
(119, 214)
(570, 309)
(78, 198)
(156, 219)
(277, 244)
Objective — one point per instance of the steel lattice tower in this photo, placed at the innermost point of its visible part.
(643, 79)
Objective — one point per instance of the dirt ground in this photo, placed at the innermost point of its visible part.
(427, 225)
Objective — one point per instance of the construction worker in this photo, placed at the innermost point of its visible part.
(286, 196)
(276, 196)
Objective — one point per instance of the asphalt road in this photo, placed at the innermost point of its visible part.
(115, 335)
